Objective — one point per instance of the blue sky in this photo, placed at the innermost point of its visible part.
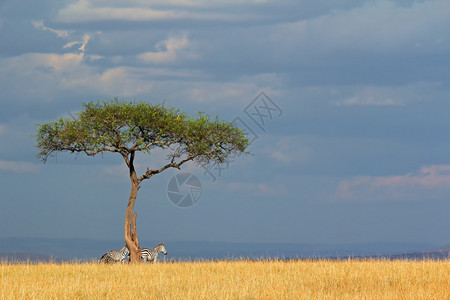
(359, 151)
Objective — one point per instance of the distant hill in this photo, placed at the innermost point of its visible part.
(444, 248)
(26, 257)
(45, 249)
(60, 249)
(440, 253)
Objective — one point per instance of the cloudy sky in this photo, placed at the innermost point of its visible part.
(352, 144)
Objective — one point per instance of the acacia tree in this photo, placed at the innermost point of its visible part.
(128, 127)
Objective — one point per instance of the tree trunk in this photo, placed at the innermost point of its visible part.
(131, 238)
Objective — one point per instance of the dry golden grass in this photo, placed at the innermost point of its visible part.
(351, 279)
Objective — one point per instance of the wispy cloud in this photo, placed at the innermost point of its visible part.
(18, 167)
(94, 11)
(356, 101)
(82, 43)
(40, 25)
(65, 34)
(399, 187)
(85, 11)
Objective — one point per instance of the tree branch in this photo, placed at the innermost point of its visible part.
(151, 172)
(86, 150)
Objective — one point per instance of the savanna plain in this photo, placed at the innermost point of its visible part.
(240, 279)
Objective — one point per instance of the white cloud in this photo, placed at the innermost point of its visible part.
(85, 11)
(49, 75)
(425, 184)
(384, 95)
(65, 34)
(188, 3)
(289, 151)
(57, 62)
(238, 93)
(94, 57)
(44, 75)
(375, 27)
(167, 50)
(94, 11)
(257, 189)
(119, 81)
(40, 25)
(354, 101)
(18, 167)
(204, 92)
(82, 43)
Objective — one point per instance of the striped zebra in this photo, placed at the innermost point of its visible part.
(151, 255)
(115, 256)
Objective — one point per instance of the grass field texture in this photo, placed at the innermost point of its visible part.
(273, 279)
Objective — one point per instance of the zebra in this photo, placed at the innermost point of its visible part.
(115, 256)
(151, 255)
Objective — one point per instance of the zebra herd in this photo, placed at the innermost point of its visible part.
(148, 255)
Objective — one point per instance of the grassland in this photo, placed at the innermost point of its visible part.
(351, 279)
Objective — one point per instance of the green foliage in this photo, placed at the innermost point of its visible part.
(127, 127)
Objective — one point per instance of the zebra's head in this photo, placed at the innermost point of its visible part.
(162, 248)
(125, 250)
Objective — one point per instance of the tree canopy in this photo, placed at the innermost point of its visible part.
(128, 127)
